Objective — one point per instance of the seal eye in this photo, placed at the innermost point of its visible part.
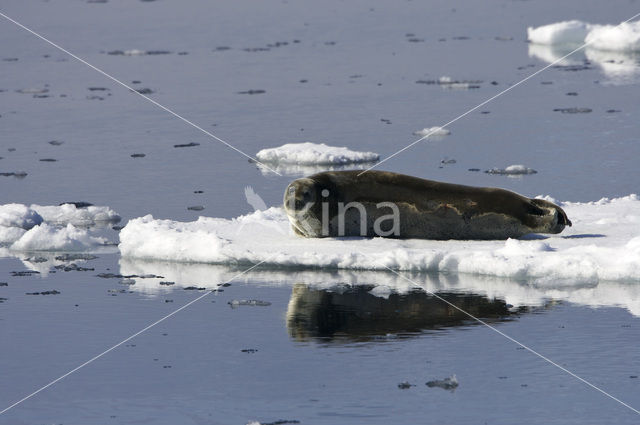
(292, 190)
(306, 196)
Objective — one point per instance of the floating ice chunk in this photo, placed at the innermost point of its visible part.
(10, 234)
(190, 242)
(625, 37)
(314, 154)
(252, 303)
(432, 132)
(134, 52)
(512, 170)
(70, 214)
(51, 228)
(450, 383)
(18, 215)
(565, 32)
(555, 53)
(50, 238)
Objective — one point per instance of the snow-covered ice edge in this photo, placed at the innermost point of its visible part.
(65, 227)
(603, 245)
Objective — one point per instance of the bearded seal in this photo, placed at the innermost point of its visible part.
(386, 204)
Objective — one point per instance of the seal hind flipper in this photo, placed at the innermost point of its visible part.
(562, 216)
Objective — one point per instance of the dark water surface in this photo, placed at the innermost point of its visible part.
(260, 74)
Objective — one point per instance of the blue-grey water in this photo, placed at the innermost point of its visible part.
(340, 72)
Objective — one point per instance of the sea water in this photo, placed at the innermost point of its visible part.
(324, 346)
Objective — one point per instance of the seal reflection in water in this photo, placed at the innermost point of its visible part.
(356, 314)
(381, 203)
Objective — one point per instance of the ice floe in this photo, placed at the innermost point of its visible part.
(432, 132)
(602, 245)
(18, 215)
(314, 154)
(447, 82)
(71, 214)
(623, 37)
(302, 159)
(52, 228)
(45, 237)
(512, 170)
(565, 32)
(295, 158)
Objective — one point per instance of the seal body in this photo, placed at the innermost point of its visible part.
(381, 203)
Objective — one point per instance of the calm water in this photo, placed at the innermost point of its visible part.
(343, 73)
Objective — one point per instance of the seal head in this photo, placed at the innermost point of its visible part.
(301, 203)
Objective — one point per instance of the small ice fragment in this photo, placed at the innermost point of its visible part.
(134, 52)
(565, 32)
(450, 383)
(624, 37)
(237, 303)
(50, 238)
(432, 132)
(77, 213)
(314, 153)
(512, 170)
(18, 215)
